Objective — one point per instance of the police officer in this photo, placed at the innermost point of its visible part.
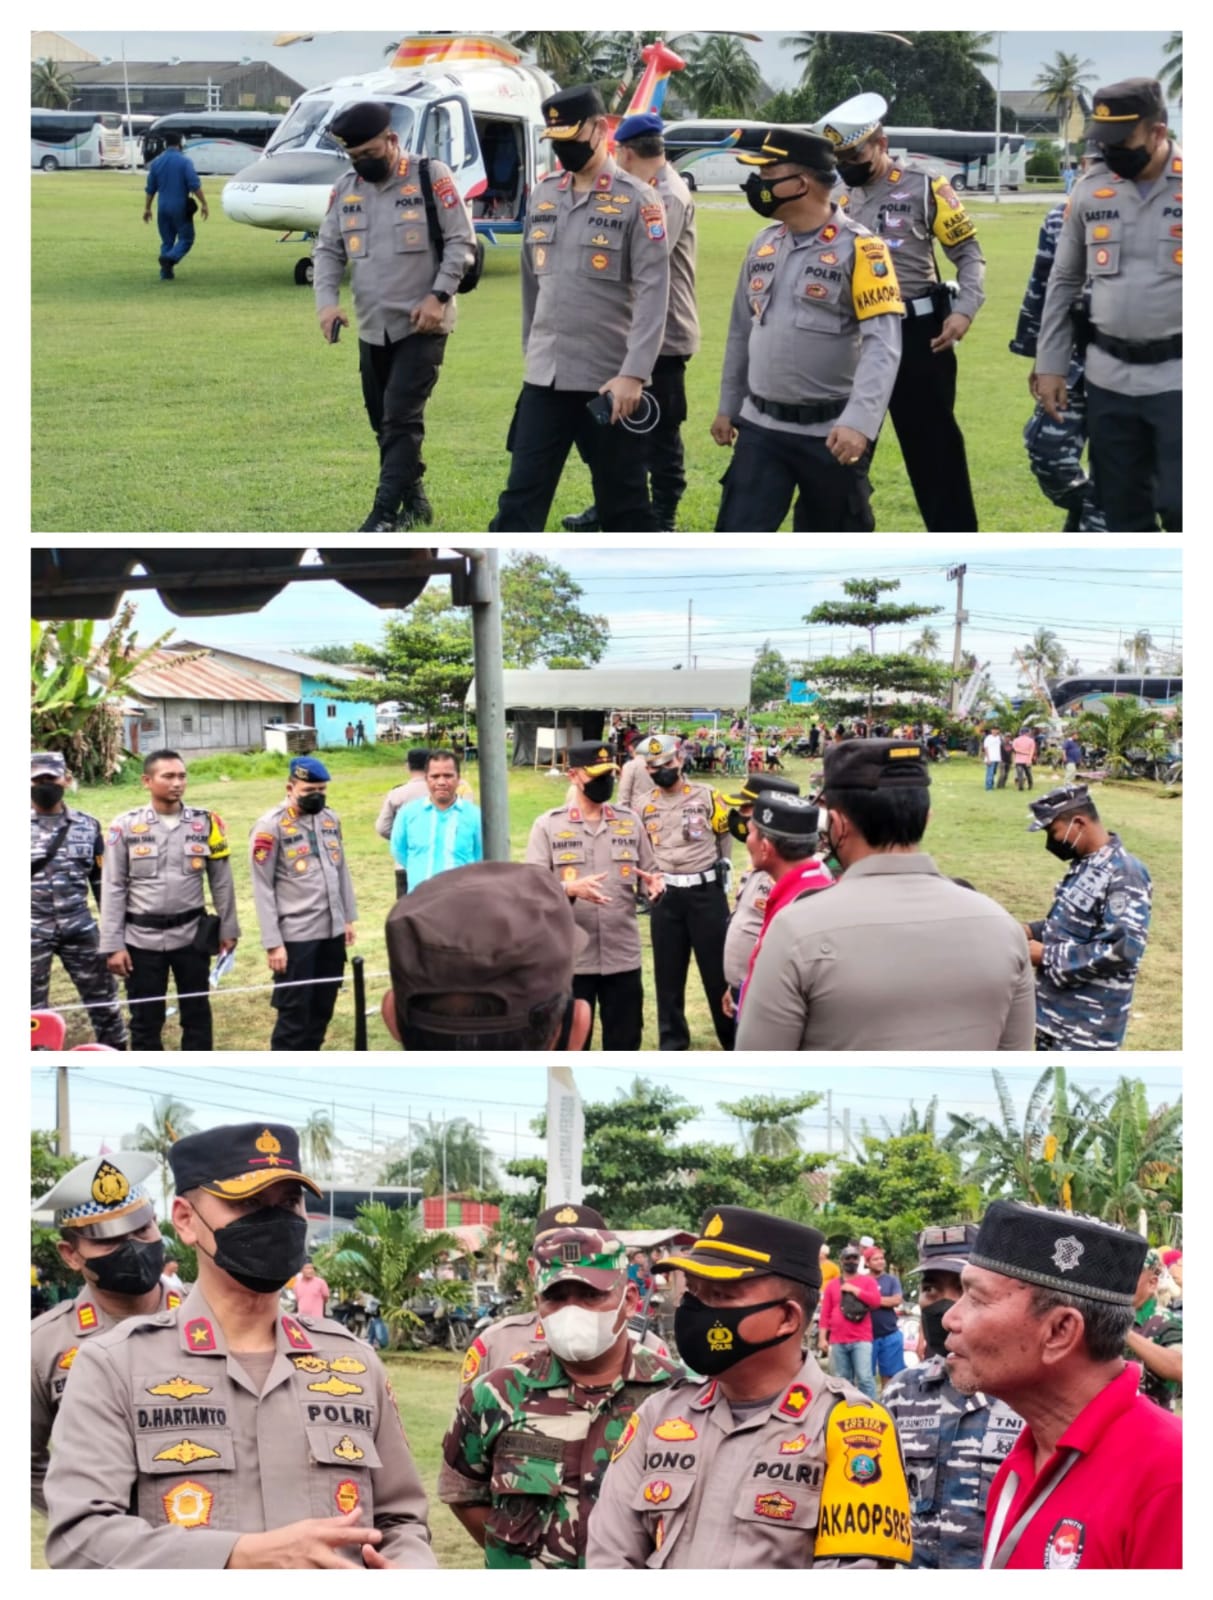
(603, 858)
(1124, 231)
(511, 1339)
(952, 1443)
(813, 345)
(224, 1434)
(525, 1455)
(108, 1236)
(403, 794)
(640, 152)
(636, 780)
(753, 887)
(595, 285)
(1088, 949)
(66, 849)
(688, 827)
(912, 207)
(384, 217)
(305, 905)
(770, 1462)
(1055, 447)
(153, 910)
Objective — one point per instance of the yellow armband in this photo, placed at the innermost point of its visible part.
(217, 839)
(952, 224)
(720, 813)
(865, 1506)
(874, 286)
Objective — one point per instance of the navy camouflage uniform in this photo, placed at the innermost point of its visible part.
(60, 920)
(953, 1445)
(1094, 938)
(1055, 448)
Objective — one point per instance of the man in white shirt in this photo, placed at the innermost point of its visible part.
(992, 749)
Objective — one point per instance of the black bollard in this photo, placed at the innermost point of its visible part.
(359, 1005)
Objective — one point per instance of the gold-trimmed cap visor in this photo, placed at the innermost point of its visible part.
(249, 1183)
(735, 1242)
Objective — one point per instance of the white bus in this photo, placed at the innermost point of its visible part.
(75, 139)
(215, 141)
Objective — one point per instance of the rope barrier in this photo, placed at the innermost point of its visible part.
(205, 994)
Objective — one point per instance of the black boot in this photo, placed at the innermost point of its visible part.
(667, 515)
(587, 522)
(415, 509)
(379, 521)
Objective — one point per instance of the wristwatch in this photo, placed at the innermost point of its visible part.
(441, 295)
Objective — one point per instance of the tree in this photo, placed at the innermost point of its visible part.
(805, 47)
(1120, 665)
(51, 85)
(723, 77)
(450, 1158)
(424, 657)
(540, 615)
(1142, 1153)
(936, 82)
(927, 644)
(384, 1254)
(1172, 70)
(905, 1173)
(170, 1120)
(567, 56)
(770, 1124)
(46, 1168)
(769, 676)
(1141, 648)
(316, 1142)
(1043, 657)
(1118, 730)
(1061, 82)
(618, 59)
(337, 655)
(866, 671)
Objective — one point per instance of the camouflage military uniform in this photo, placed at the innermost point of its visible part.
(511, 1340)
(61, 922)
(952, 1445)
(528, 1442)
(1094, 938)
(1055, 448)
(1161, 1328)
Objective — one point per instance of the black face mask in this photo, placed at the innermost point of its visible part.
(760, 194)
(707, 1336)
(574, 154)
(666, 777)
(1126, 162)
(262, 1250)
(739, 826)
(849, 1264)
(933, 1330)
(599, 790)
(373, 169)
(854, 173)
(46, 795)
(311, 804)
(1064, 849)
(132, 1269)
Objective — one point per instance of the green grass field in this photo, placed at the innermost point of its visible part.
(426, 1386)
(211, 403)
(972, 834)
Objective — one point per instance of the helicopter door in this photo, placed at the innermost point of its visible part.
(447, 135)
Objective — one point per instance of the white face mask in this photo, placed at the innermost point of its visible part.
(578, 1334)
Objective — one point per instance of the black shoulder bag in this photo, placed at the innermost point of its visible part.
(471, 276)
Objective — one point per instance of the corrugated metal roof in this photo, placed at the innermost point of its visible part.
(626, 688)
(165, 676)
(287, 661)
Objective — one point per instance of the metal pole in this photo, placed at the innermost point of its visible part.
(829, 1121)
(690, 607)
(409, 1144)
(372, 1194)
(957, 574)
(126, 91)
(998, 122)
(485, 589)
(444, 1177)
(332, 1224)
(359, 1004)
(62, 1113)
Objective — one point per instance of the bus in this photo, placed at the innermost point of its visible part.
(215, 141)
(73, 139)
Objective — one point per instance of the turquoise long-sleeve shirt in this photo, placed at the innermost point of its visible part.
(426, 840)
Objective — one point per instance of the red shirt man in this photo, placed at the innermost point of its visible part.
(840, 1329)
(311, 1292)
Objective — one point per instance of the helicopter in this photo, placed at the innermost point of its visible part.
(467, 100)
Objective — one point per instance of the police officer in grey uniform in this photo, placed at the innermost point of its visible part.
(1124, 231)
(415, 788)
(952, 1443)
(65, 863)
(595, 285)
(640, 152)
(223, 1434)
(1088, 949)
(153, 910)
(913, 207)
(382, 218)
(108, 1235)
(753, 888)
(305, 904)
(636, 780)
(813, 346)
(689, 832)
(603, 858)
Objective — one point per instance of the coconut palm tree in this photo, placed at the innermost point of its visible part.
(1041, 658)
(723, 77)
(170, 1120)
(1122, 727)
(1172, 71)
(805, 46)
(51, 85)
(1061, 82)
(618, 60)
(1141, 648)
(1120, 665)
(927, 644)
(384, 1254)
(316, 1142)
(565, 55)
(450, 1157)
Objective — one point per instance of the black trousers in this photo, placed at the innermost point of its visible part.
(547, 423)
(921, 410)
(620, 998)
(402, 883)
(304, 1014)
(769, 467)
(1137, 458)
(686, 920)
(397, 380)
(667, 473)
(191, 972)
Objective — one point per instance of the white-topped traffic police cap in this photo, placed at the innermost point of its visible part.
(855, 120)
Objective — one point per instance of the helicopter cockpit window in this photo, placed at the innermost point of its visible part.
(299, 124)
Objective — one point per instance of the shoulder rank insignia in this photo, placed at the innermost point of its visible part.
(185, 1452)
(172, 1300)
(705, 1396)
(86, 1317)
(335, 1386)
(796, 1402)
(347, 1450)
(188, 1505)
(65, 1360)
(178, 1389)
(347, 1364)
(295, 1334)
(199, 1335)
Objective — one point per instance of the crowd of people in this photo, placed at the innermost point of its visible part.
(1029, 1422)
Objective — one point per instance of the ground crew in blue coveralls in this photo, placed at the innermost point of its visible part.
(952, 1443)
(66, 849)
(173, 179)
(913, 207)
(1088, 949)
(1055, 447)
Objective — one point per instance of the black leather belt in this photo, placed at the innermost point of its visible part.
(169, 919)
(814, 411)
(1140, 352)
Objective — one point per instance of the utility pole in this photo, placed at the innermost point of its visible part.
(956, 575)
(846, 1132)
(690, 607)
(332, 1176)
(372, 1194)
(830, 1121)
(62, 1113)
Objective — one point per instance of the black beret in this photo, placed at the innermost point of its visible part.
(237, 1160)
(875, 764)
(564, 113)
(1059, 1250)
(788, 816)
(361, 122)
(767, 147)
(737, 1243)
(1121, 106)
(568, 1215)
(592, 755)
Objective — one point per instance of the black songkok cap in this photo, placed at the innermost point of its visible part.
(875, 764)
(1058, 1250)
